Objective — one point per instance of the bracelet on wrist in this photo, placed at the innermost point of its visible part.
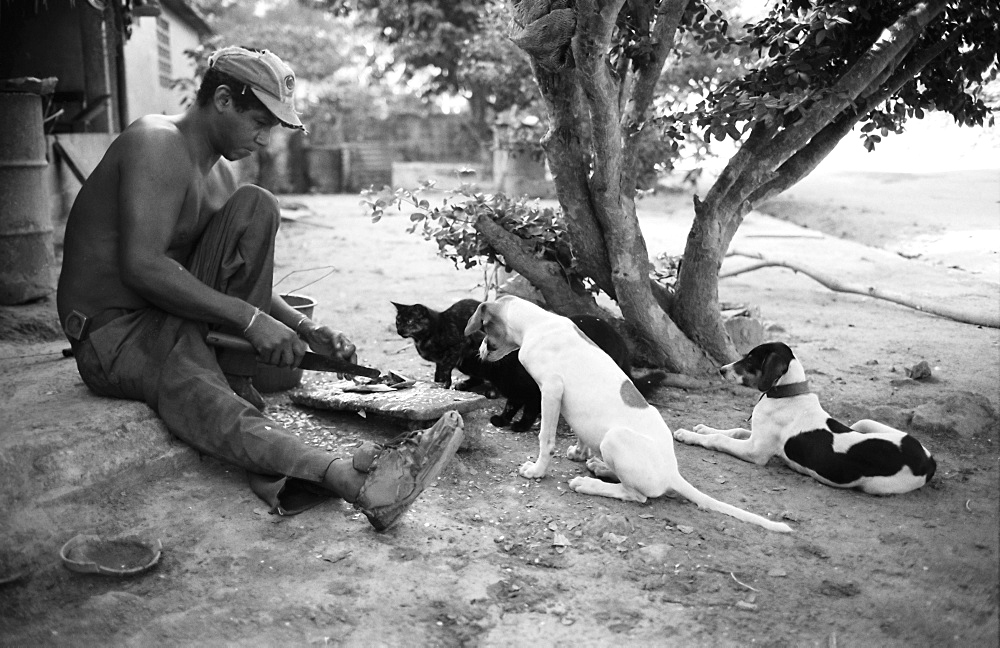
(253, 318)
(299, 323)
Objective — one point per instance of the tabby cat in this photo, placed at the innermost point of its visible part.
(439, 337)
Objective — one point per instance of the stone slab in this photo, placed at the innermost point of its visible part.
(422, 401)
(57, 437)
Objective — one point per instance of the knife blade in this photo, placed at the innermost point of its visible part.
(311, 361)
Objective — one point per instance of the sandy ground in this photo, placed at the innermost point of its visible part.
(474, 562)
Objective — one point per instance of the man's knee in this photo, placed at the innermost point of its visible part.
(255, 197)
(258, 205)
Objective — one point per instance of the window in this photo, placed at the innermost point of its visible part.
(163, 52)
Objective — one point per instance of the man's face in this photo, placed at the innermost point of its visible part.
(246, 132)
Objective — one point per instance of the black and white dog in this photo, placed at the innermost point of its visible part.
(789, 422)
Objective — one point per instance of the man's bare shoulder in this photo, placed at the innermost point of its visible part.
(153, 131)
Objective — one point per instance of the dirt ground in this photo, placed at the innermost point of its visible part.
(476, 560)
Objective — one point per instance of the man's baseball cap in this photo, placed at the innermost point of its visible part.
(267, 75)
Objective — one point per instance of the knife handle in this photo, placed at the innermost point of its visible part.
(227, 341)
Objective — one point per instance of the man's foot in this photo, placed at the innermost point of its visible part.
(243, 386)
(401, 471)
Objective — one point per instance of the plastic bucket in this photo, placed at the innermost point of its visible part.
(274, 379)
(26, 251)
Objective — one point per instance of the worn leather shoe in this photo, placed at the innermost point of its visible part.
(400, 471)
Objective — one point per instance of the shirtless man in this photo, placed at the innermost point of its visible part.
(161, 246)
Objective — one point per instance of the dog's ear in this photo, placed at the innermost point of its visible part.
(476, 321)
(487, 319)
(775, 366)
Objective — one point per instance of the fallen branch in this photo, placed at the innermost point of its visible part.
(836, 285)
(743, 584)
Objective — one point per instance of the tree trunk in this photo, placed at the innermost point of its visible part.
(696, 309)
(595, 172)
(564, 146)
(593, 169)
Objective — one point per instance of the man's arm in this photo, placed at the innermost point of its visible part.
(156, 176)
(321, 339)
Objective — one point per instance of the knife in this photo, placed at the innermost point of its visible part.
(311, 361)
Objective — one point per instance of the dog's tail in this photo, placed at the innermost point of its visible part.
(685, 489)
(647, 383)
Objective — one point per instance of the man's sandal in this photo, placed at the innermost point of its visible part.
(398, 472)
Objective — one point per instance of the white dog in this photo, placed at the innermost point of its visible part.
(606, 412)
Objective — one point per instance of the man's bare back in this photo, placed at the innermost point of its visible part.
(91, 280)
(135, 221)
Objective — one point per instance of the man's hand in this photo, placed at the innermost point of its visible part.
(276, 344)
(328, 342)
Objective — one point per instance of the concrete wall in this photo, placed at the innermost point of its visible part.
(145, 93)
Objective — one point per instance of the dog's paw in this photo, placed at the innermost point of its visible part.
(531, 470)
(682, 435)
(704, 429)
(577, 452)
(576, 482)
(601, 470)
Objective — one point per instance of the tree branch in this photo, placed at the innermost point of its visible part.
(893, 40)
(546, 276)
(719, 195)
(594, 27)
(644, 88)
(908, 72)
(808, 158)
(563, 145)
(663, 36)
(805, 160)
(836, 285)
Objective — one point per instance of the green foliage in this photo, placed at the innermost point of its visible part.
(491, 64)
(328, 53)
(452, 224)
(311, 40)
(803, 48)
(690, 71)
(461, 46)
(425, 33)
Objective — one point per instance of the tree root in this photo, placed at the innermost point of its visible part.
(683, 381)
(836, 285)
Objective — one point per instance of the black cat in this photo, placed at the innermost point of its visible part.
(514, 382)
(439, 337)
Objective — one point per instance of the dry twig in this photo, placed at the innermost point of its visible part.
(836, 285)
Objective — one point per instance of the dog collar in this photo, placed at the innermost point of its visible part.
(787, 391)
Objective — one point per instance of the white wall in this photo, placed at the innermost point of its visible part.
(142, 72)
